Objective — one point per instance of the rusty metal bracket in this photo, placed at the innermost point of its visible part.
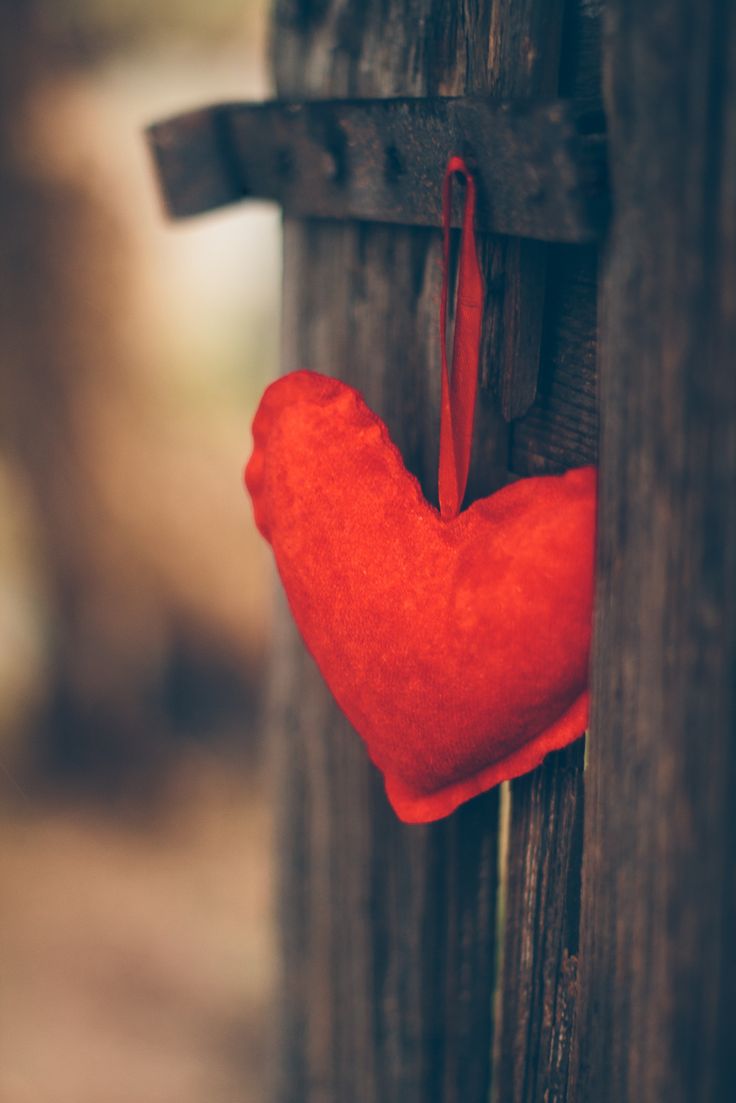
(540, 167)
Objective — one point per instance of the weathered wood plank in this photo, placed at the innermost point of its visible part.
(524, 43)
(388, 930)
(542, 903)
(389, 943)
(537, 1004)
(425, 963)
(658, 953)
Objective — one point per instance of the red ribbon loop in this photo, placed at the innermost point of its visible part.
(458, 392)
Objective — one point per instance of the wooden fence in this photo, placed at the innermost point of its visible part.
(573, 935)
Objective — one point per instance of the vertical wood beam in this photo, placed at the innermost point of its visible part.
(388, 931)
(540, 958)
(537, 1001)
(524, 44)
(658, 937)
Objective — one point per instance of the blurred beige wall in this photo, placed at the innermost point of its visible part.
(131, 355)
(136, 934)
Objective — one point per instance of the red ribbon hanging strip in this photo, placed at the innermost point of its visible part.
(459, 391)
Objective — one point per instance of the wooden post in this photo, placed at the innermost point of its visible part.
(389, 932)
(658, 996)
(537, 1000)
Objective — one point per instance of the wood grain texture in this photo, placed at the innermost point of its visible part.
(538, 991)
(658, 961)
(538, 988)
(389, 932)
(542, 902)
(524, 47)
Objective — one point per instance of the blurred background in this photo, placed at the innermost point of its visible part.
(136, 954)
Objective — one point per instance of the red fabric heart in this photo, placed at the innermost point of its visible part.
(456, 643)
(458, 648)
